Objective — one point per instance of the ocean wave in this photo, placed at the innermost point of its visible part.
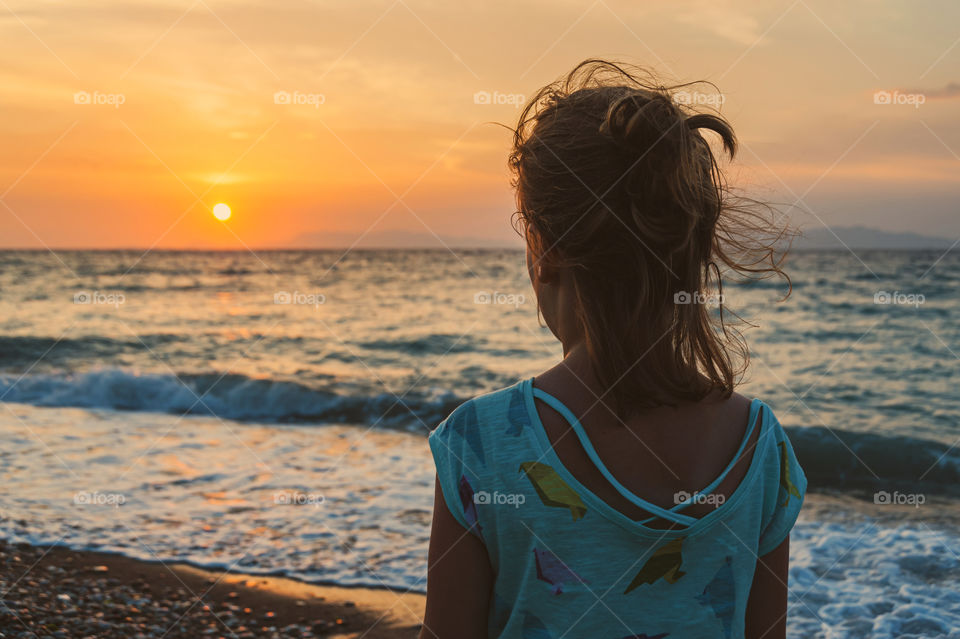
(227, 396)
(833, 460)
(25, 350)
(22, 352)
(866, 463)
(443, 344)
(435, 344)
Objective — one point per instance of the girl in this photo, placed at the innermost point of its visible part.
(628, 491)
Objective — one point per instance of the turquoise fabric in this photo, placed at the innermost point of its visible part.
(569, 565)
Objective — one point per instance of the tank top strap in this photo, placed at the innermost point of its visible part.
(673, 513)
(755, 406)
(661, 513)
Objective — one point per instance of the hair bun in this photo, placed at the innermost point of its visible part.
(642, 122)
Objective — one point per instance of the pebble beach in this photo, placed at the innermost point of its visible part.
(55, 592)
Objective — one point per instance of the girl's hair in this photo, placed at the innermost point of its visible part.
(616, 184)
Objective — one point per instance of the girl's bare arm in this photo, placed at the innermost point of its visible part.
(459, 579)
(767, 607)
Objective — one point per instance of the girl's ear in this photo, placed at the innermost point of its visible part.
(547, 272)
(542, 266)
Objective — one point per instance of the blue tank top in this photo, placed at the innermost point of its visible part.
(569, 565)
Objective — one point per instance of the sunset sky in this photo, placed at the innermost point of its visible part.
(122, 124)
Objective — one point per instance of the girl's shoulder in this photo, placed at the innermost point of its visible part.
(474, 445)
(484, 413)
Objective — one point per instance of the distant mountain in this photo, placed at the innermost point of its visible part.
(396, 239)
(861, 237)
(817, 239)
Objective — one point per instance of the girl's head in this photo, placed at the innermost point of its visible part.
(628, 223)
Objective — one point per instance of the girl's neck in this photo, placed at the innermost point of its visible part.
(574, 375)
(576, 359)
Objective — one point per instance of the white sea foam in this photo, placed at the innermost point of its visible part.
(235, 397)
(868, 579)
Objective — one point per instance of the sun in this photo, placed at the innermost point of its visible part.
(221, 212)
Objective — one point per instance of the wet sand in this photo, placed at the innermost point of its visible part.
(55, 592)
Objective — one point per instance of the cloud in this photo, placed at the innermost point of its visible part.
(724, 21)
(950, 92)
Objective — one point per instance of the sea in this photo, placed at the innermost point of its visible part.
(267, 412)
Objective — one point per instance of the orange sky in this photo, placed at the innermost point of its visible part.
(383, 132)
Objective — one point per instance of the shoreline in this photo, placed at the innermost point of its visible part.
(59, 592)
(54, 591)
